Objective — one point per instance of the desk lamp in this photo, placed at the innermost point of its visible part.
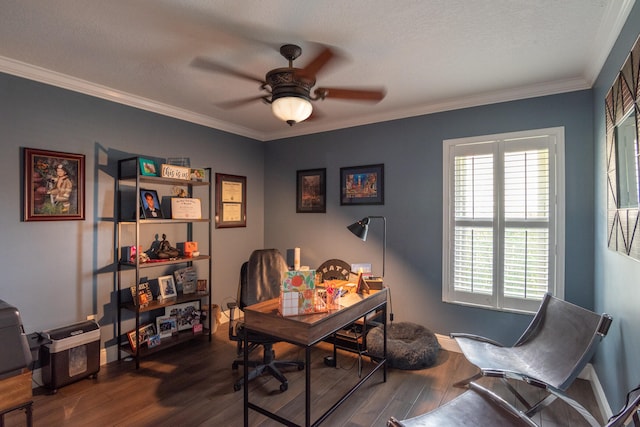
(360, 230)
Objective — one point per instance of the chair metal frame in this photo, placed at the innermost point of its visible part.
(477, 406)
(558, 343)
(480, 405)
(268, 364)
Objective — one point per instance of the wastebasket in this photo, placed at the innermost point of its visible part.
(72, 354)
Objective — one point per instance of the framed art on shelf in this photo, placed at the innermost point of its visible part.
(231, 201)
(144, 333)
(150, 204)
(362, 185)
(53, 185)
(166, 326)
(144, 294)
(167, 287)
(311, 190)
(148, 167)
(186, 314)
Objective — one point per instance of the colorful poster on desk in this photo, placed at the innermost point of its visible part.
(298, 293)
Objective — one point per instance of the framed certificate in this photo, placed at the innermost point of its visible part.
(231, 201)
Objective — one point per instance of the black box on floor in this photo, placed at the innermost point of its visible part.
(73, 354)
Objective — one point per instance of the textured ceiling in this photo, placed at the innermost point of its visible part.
(430, 55)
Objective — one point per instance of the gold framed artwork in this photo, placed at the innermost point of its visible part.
(231, 201)
(53, 185)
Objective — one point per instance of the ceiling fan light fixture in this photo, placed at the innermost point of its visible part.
(291, 109)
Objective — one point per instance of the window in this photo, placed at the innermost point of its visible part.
(503, 237)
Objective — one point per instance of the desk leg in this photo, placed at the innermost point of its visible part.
(307, 381)
(29, 411)
(245, 386)
(384, 345)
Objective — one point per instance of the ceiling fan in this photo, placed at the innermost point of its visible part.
(289, 89)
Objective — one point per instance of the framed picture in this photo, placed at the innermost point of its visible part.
(311, 190)
(166, 326)
(231, 201)
(202, 286)
(53, 185)
(362, 185)
(167, 287)
(144, 294)
(186, 314)
(186, 279)
(150, 204)
(148, 167)
(144, 333)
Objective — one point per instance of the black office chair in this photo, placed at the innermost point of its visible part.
(260, 280)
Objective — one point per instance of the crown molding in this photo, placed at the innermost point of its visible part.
(42, 75)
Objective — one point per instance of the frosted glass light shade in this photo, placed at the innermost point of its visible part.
(292, 109)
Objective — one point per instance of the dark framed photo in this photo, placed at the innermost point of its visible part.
(148, 167)
(231, 201)
(150, 204)
(362, 185)
(311, 190)
(53, 185)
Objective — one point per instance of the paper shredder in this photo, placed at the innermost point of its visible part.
(72, 354)
(15, 354)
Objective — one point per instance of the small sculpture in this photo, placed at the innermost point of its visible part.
(163, 249)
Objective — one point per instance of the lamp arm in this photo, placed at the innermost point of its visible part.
(384, 240)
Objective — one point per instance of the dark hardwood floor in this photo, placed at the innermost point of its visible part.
(191, 385)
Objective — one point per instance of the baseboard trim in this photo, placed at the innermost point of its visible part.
(589, 374)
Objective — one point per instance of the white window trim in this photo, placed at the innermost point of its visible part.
(448, 294)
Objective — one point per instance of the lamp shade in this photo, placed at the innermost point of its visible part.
(360, 228)
(291, 109)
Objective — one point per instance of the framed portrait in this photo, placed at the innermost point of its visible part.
(231, 201)
(53, 185)
(167, 287)
(362, 185)
(148, 167)
(166, 326)
(144, 333)
(150, 204)
(311, 190)
(186, 314)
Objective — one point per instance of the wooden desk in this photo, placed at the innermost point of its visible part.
(306, 331)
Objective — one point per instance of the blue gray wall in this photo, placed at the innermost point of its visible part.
(617, 278)
(60, 272)
(411, 150)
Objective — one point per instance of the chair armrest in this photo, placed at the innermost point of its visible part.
(476, 338)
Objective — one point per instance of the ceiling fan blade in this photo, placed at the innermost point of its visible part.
(207, 64)
(372, 95)
(316, 64)
(240, 102)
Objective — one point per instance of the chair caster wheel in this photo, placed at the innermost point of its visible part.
(300, 367)
(284, 386)
(237, 387)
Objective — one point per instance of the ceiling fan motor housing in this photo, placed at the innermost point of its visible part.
(284, 82)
